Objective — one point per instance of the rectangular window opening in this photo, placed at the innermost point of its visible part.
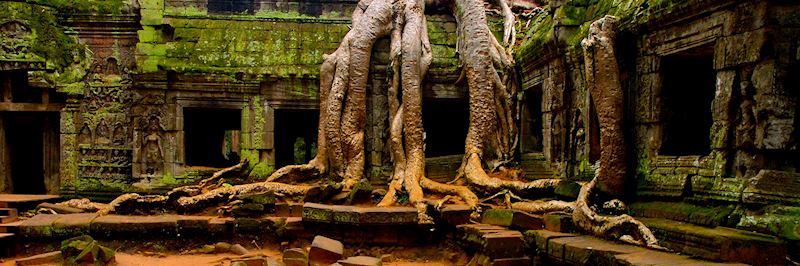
(211, 136)
(295, 136)
(688, 89)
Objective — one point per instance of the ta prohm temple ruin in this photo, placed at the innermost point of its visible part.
(399, 132)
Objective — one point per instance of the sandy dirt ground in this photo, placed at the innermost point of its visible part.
(128, 259)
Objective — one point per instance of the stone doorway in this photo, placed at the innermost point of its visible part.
(212, 136)
(445, 123)
(687, 92)
(295, 136)
(30, 151)
(531, 130)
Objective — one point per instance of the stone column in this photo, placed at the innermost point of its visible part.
(602, 79)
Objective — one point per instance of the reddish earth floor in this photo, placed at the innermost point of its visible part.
(126, 259)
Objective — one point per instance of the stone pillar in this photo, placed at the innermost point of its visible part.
(602, 79)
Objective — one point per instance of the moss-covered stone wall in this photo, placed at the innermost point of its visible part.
(753, 46)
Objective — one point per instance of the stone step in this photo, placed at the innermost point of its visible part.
(493, 241)
(512, 218)
(339, 214)
(25, 202)
(8, 242)
(366, 225)
(718, 243)
(12, 227)
(571, 249)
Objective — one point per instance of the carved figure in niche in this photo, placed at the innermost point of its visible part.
(112, 67)
(152, 155)
(578, 136)
(102, 134)
(85, 135)
(118, 135)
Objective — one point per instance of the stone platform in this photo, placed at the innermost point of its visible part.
(24, 202)
(504, 237)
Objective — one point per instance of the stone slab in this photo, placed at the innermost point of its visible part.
(456, 214)
(38, 226)
(45, 258)
(322, 213)
(325, 251)
(717, 243)
(73, 224)
(119, 225)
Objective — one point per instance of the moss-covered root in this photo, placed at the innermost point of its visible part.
(622, 227)
(541, 206)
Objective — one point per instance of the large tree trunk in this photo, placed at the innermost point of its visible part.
(602, 78)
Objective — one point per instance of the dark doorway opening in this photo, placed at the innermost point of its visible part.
(446, 123)
(295, 136)
(687, 91)
(211, 136)
(32, 149)
(531, 128)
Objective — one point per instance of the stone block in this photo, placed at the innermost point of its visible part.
(139, 226)
(295, 257)
(289, 209)
(501, 217)
(539, 238)
(558, 222)
(685, 212)
(586, 250)
(221, 226)
(244, 225)
(193, 225)
(38, 226)
(456, 214)
(494, 241)
(361, 261)
(45, 258)
(325, 251)
(73, 224)
(739, 49)
(254, 261)
(388, 215)
(527, 221)
(661, 185)
(770, 186)
(718, 243)
(315, 212)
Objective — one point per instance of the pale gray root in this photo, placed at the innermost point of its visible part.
(230, 193)
(218, 174)
(622, 227)
(477, 176)
(83, 204)
(542, 206)
(192, 202)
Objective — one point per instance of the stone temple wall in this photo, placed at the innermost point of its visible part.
(125, 129)
(740, 57)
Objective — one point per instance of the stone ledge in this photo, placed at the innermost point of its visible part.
(337, 214)
(717, 243)
(570, 249)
